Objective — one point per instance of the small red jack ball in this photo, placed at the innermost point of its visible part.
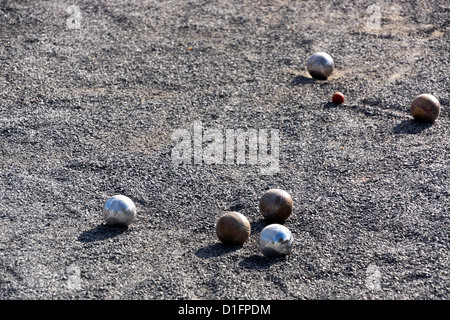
(337, 98)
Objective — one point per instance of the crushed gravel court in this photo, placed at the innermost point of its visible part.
(93, 93)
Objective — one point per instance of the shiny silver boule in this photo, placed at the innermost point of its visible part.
(320, 65)
(119, 211)
(275, 240)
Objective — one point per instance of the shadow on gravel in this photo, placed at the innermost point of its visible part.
(257, 226)
(258, 262)
(100, 232)
(411, 127)
(301, 80)
(330, 105)
(215, 250)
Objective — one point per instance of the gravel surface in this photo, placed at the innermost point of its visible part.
(93, 92)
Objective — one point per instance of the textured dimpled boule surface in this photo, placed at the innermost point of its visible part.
(425, 108)
(276, 205)
(233, 228)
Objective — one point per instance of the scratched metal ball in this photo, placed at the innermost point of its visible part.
(233, 228)
(275, 240)
(276, 205)
(425, 108)
(119, 211)
(320, 65)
